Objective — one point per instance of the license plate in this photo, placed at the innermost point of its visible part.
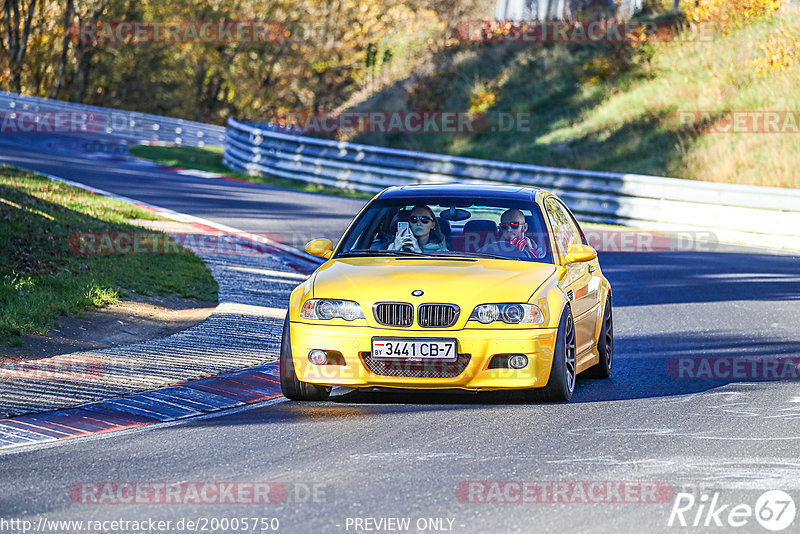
(414, 348)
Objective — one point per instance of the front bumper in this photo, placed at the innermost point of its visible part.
(355, 343)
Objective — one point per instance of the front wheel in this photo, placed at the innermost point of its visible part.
(561, 382)
(292, 387)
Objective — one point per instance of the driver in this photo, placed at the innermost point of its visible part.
(512, 236)
(426, 236)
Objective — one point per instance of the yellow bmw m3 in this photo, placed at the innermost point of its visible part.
(473, 287)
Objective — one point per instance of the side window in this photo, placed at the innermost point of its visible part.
(574, 223)
(565, 232)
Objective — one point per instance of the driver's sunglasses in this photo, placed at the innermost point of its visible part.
(417, 218)
(513, 226)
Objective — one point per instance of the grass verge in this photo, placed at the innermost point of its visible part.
(210, 159)
(42, 279)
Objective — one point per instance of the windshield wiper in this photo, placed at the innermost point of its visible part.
(469, 255)
(431, 254)
(380, 253)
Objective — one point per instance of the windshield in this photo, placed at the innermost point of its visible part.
(491, 228)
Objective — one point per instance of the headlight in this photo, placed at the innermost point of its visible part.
(327, 309)
(507, 313)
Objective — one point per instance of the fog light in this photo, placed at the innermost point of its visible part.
(317, 357)
(518, 361)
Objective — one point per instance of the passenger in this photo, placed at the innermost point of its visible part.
(427, 237)
(512, 236)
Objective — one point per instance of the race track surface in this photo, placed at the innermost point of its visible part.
(405, 454)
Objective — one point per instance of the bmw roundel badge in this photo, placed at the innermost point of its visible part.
(418, 292)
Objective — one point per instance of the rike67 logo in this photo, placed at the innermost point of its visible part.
(774, 510)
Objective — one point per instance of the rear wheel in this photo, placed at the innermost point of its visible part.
(291, 387)
(605, 346)
(561, 382)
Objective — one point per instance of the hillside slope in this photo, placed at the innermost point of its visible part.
(613, 108)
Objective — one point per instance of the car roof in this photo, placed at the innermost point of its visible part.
(499, 191)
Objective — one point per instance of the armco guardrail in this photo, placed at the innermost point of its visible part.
(749, 214)
(129, 125)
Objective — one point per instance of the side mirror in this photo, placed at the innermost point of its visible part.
(579, 254)
(322, 248)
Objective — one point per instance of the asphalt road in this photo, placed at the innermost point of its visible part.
(290, 216)
(403, 455)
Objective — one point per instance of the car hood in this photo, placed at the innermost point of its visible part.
(465, 283)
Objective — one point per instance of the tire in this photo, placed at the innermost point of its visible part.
(561, 382)
(605, 346)
(291, 387)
